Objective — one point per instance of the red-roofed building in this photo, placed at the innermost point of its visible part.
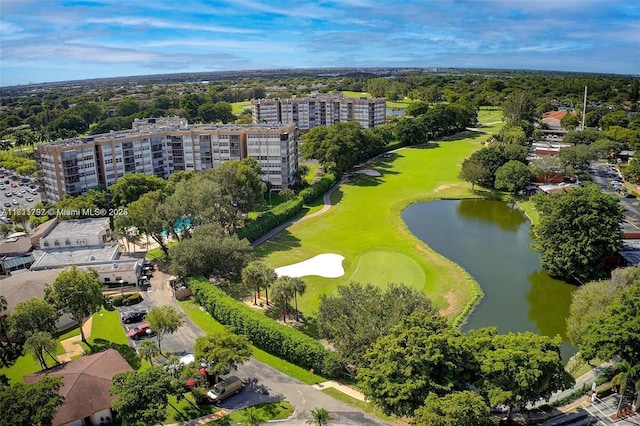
(85, 387)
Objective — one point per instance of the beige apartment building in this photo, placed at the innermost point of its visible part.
(320, 110)
(162, 146)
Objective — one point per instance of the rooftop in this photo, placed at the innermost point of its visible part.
(25, 286)
(85, 384)
(78, 256)
(78, 228)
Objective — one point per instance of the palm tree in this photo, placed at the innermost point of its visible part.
(282, 291)
(319, 416)
(148, 350)
(251, 417)
(257, 275)
(621, 380)
(42, 136)
(5, 145)
(20, 138)
(298, 286)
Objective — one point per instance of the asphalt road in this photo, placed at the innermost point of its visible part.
(262, 383)
(602, 175)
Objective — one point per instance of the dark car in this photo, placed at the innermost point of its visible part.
(140, 331)
(133, 316)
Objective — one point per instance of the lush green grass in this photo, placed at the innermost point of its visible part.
(490, 115)
(238, 107)
(365, 224)
(314, 168)
(529, 209)
(105, 329)
(187, 409)
(365, 406)
(266, 411)
(210, 325)
(357, 95)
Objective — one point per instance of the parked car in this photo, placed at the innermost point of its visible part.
(140, 331)
(15, 202)
(7, 204)
(8, 194)
(29, 199)
(130, 317)
(224, 389)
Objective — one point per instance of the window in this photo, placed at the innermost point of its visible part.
(106, 280)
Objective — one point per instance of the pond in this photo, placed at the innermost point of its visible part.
(491, 240)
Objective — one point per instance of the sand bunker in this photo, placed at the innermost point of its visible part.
(326, 265)
(369, 172)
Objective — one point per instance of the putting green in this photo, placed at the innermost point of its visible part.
(381, 267)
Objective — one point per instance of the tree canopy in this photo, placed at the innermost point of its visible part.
(164, 320)
(420, 355)
(577, 229)
(132, 186)
(222, 351)
(512, 176)
(616, 332)
(356, 315)
(518, 368)
(210, 251)
(76, 292)
(142, 396)
(454, 409)
(30, 404)
(31, 316)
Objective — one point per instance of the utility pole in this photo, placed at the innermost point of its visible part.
(584, 108)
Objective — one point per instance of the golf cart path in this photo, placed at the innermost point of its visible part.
(326, 199)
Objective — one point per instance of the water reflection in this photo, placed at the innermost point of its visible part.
(491, 240)
(495, 213)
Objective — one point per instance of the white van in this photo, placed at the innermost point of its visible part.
(224, 389)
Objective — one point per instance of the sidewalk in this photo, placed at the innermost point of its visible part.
(348, 390)
(72, 345)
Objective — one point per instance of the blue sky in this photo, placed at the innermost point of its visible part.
(48, 40)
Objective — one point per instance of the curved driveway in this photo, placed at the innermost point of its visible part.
(263, 383)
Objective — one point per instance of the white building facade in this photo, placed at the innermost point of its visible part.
(162, 146)
(320, 110)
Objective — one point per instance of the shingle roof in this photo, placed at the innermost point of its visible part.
(85, 384)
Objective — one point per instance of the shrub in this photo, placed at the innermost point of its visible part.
(279, 340)
(254, 229)
(117, 300)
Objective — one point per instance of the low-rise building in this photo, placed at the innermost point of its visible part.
(85, 387)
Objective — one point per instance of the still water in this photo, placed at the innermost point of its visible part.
(491, 240)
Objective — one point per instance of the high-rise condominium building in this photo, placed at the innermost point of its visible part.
(162, 146)
(320, 110)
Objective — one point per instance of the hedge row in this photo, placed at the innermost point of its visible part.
(254, 229)
(277, 339)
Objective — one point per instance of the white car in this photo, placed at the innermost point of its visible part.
(15, 202)
(29, 199)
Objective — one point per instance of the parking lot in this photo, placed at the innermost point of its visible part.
(16, 193)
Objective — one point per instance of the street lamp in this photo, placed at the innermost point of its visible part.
(121, 287)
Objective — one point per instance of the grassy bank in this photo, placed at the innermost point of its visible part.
(365, 226)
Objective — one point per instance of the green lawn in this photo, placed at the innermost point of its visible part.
(238, 107)
(106, 331)
(490, 115)
(208, 324)
(187, 409)
(365, 226)
(266, 411)
(390, 104)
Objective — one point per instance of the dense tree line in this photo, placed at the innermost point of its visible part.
(578, 228)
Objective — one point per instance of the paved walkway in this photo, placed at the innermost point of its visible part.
(327, 205)
(348, 390)
(72, 345)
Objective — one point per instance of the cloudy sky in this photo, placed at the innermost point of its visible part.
(51, 40)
